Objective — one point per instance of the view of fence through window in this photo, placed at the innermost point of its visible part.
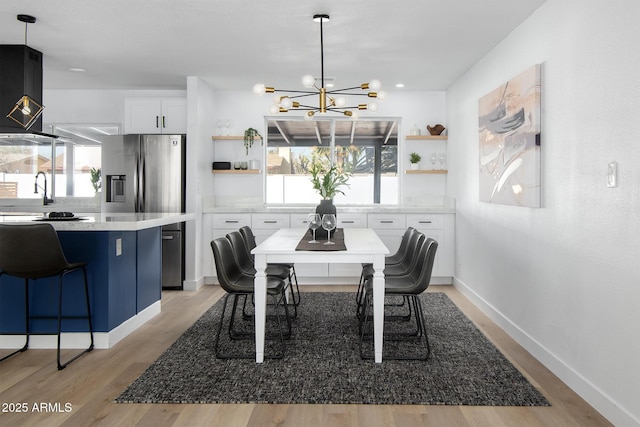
(366, 150)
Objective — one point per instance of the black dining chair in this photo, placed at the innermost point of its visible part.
(389, 260)
(411, 286)
(250, 239)
(237, 284)
(246, 264)
(407, 261)
(33, 252)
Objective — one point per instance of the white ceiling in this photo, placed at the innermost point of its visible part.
(154, 44)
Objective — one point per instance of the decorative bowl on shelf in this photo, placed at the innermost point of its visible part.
(435, 130)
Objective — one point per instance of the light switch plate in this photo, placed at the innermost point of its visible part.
(612, 175)
(118, 247)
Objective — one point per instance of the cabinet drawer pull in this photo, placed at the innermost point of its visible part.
(347, 221)
(270, 221)
(157, 121)
(164, 125)
(231, 221)
(387, 221)
(424, 222)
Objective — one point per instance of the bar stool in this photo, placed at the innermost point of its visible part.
(33, 252)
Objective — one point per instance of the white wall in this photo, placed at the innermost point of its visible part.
(563, 279)
(201, 102)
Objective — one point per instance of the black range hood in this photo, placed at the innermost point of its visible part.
(20, 74)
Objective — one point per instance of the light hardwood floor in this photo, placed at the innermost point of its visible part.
(90, 384)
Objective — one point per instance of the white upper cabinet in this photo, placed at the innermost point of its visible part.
(155, 115)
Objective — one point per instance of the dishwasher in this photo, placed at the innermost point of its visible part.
(172, 256)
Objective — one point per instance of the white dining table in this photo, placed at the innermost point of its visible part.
(363, 245)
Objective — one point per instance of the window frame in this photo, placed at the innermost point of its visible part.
(377, 172)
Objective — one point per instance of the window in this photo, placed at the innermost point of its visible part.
(67, 162)
(19, 164)
(366, 149)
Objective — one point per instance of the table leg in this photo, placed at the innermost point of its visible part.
(260, 289)
(378, 306)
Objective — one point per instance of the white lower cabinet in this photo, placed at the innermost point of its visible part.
(223, 224)
(264, 225)
(439, 227)
(390, 227)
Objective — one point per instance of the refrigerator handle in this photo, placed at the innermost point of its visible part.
(140, 171)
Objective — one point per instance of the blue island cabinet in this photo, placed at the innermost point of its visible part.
(125, 277)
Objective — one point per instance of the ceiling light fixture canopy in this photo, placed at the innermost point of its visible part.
(329, 100)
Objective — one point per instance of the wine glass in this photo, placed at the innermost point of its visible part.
(442, 158)
(219, 125)
(227, 124)
(314, 223)
(329, 223)
(434, 159)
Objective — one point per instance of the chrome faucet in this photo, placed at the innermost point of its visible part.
(45, 199)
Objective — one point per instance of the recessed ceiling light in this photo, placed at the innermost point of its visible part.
(399, 84)
(77, 70)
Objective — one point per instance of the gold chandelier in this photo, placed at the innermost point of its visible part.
(333, 100)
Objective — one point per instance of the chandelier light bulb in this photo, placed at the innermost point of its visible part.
(355, 115)
(308, 81)
(274, 109)
(372, 106)
(286, 103)
(382, 95)
(341, 101)
(259, 89)
(375, 85)
(308, 115)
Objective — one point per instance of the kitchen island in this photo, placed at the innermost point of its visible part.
(124, 256)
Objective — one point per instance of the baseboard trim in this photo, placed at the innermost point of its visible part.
(193, 285)
(602, 402)
(79, 340)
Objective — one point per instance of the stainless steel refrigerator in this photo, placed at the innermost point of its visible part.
(146, 173)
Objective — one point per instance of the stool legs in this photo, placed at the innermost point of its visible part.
(26, 321)
(60, 317)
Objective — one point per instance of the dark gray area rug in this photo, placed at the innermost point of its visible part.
(323, 364)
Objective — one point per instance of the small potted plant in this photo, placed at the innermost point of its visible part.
(328, 184)
(249, 137)
(415, 158)
(96, 178)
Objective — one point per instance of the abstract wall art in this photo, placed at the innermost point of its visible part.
(509, 133)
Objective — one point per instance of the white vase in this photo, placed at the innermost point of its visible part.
(415, 166)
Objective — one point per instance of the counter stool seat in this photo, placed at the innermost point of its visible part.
(32, 252)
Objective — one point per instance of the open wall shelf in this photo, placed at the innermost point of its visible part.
(425, 137)
(236, 171)
(426, 171)
(231, 138)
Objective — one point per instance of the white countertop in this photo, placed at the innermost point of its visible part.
(102, 221)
